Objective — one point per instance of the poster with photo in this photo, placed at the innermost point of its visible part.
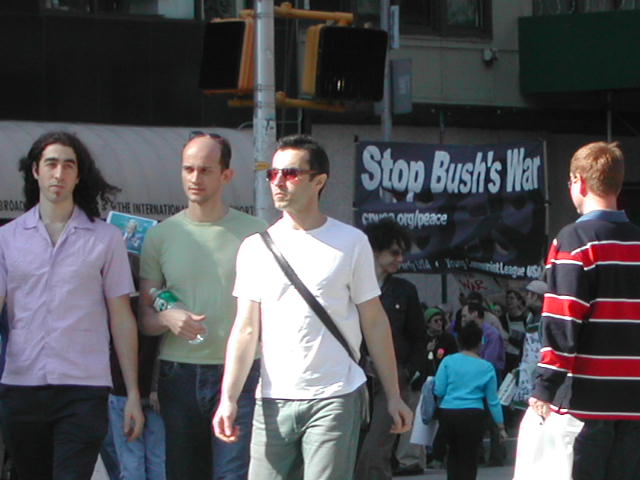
(133, 229)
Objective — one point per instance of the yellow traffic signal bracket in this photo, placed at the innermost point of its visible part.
(282, 101)
(286, 10)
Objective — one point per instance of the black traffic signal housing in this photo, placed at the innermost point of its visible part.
(344, 63)
(227, 57)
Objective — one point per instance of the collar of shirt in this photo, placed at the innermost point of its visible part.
(618, 216)
(78, 218)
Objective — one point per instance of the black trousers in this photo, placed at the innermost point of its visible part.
(54, 432)
(607, 450)
(461, 430)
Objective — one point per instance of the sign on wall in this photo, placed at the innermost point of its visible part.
(478, 208)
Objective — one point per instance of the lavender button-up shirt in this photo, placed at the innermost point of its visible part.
(56, 298)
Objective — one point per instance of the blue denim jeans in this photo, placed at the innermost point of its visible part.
(110, 457)
(142, 459)
(189, 395)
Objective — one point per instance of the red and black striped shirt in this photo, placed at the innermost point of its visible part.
(590, 360)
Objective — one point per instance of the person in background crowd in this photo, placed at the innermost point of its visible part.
(498, 310)
(489, 317)
(514, 323)
(66, 280)
(534, 296)
(531, 347)
(447, 310)
(109, 456)
(590, 360)
(193, 255)
(309, 411)
(400, 301)
(143, 458)
(463, 382)
(439, 344)
(491, 350)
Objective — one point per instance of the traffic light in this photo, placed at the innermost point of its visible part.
(344, 63)
(227, 57)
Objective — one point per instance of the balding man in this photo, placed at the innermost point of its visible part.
(193, 254)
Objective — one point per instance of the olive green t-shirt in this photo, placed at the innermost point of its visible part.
(196, 261)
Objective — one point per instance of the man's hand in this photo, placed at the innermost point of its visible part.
(133, 418)
(540, 407)
(154, 402)
(223, 422)
(401, 415)
(183, 323)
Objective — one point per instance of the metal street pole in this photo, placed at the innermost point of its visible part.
(385, 117)
(264, 113)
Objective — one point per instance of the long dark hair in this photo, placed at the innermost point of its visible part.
(92, 190)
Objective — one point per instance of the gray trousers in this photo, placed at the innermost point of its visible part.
(374, 460)
(407, 453)
(305, 439)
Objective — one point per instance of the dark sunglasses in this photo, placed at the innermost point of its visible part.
(289, 174)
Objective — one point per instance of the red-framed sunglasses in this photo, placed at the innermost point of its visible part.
(289, 174)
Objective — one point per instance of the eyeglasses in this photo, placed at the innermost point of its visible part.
(289, 174)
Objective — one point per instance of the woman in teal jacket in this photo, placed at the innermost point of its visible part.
(463, 381)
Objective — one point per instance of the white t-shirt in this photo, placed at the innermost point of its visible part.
(301, 359)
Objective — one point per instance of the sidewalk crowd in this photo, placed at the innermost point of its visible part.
(230, 349)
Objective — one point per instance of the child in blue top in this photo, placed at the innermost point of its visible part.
(463, 381)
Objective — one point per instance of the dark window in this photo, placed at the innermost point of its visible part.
(557, 7)
(87, 6)
(218, 8)
(607, 5)
(449, 18)
(628, 4)
(202, 9)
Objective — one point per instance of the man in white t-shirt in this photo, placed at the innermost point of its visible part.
(308, 411)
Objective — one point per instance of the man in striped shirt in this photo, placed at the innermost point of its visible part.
(590, 360)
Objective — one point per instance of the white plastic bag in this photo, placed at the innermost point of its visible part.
(507, 389)
(545, 448)
(422, 434)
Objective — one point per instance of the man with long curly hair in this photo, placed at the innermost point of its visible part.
(65, 277)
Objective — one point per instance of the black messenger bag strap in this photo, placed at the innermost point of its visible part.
(311, 300)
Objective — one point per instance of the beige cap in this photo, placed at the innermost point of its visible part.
(538, 286)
